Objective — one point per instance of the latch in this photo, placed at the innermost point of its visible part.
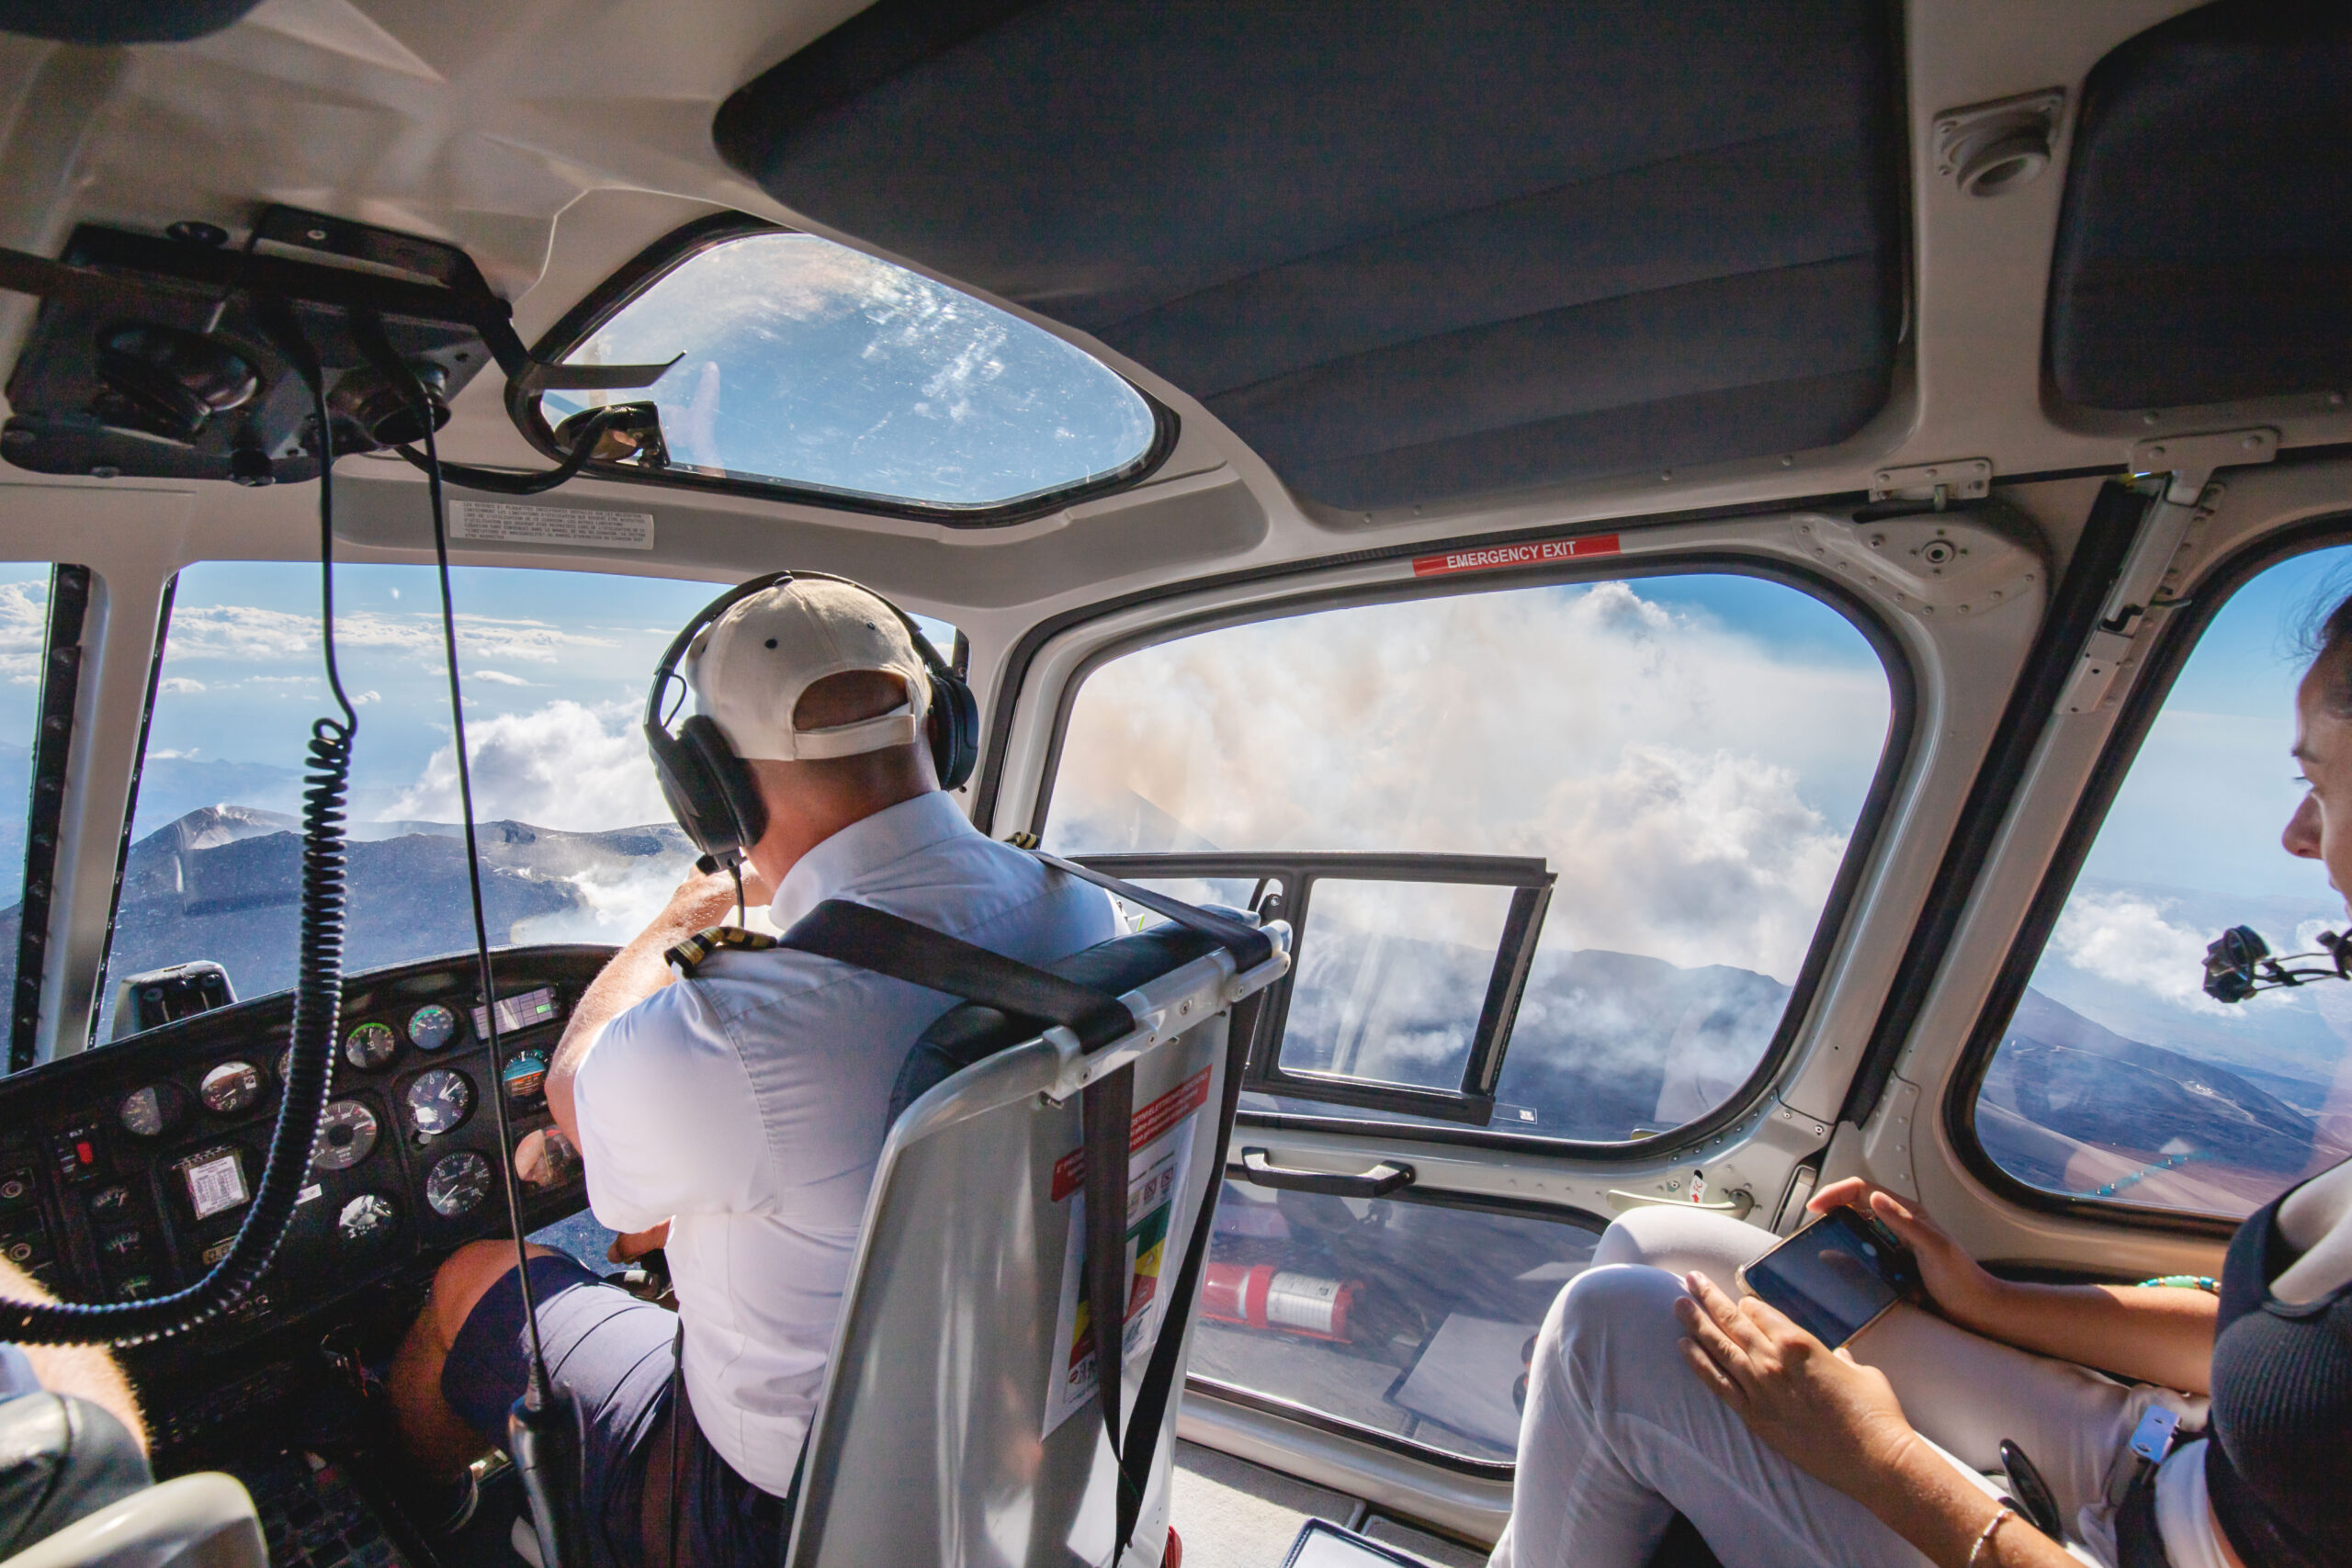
(1940, 484)
(2188, 462)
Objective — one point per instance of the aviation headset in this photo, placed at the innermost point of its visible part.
(712, 791)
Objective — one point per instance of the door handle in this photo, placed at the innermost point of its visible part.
(1260, 1170)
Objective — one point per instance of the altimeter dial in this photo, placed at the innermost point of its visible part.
(439, 1101)
(458, 1183)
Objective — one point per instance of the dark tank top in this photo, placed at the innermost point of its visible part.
(2279, 1468)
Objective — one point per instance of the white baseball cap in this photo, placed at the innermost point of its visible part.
(749, 668)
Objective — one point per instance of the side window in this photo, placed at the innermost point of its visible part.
(577, 843)
(2119, 1079)
(1687, 756)
(23, 624)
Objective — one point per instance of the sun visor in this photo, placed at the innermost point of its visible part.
(2205, 251)
(1408, 252)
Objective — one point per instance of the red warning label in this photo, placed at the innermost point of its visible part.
(1494, 556)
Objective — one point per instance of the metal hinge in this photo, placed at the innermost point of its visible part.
(1961, 478)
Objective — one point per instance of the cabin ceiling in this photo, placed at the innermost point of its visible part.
(1495, 309)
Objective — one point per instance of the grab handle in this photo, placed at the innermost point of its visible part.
(1382, 1179)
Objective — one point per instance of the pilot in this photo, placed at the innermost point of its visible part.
(736, 1117)
(1781, 1451)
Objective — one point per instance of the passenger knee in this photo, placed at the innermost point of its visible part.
(1613, 1312)
(465, 1277)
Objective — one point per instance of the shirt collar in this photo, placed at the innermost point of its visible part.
(865, 845)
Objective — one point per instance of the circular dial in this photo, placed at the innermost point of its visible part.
(439, 1101)
(458, 1183)
(229, 1088)
(369, 1217)
(371, 1045)
(154, 1111)
(545, 1158)
(346, 1135)
(432, 1026)
(525, 1075)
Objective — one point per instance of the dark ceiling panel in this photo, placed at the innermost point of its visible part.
(1362, 230)
(2205, 251)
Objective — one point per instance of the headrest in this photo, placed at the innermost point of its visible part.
(973, 1032)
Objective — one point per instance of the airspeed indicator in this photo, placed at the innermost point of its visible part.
(439, 1101)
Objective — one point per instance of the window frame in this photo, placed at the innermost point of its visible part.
(64, 644)
(1862, 846)
(1391, 1442)
(2174, 645)
(673, 250)
(1292, 878)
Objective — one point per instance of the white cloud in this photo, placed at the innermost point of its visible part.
(249, 633)
(499, 678)
(558, 766)
(364, 698)
(24, 621)
(2125, 938)
(1667, 767)
(180, 684)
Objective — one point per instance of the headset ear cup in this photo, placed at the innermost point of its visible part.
(738, 812)
(692, 795)
(954, 728)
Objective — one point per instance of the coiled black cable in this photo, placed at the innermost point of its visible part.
(318, 1014)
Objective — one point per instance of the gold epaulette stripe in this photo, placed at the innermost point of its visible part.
(689, 954)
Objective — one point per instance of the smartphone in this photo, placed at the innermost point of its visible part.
(1834, 1277)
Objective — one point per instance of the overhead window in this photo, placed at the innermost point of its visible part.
(577, 845)
(2117, 1080)
(1678, 763)
(813, 368)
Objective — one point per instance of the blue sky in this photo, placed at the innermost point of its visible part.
(814, 364)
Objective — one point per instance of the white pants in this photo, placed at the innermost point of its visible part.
(1620, 1434)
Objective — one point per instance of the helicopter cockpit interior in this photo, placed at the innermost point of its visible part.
(1714, 588)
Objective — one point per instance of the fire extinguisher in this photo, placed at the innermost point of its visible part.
(1265, 1296)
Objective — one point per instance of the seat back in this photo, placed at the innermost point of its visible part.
(198, 1521)
(959, 1422)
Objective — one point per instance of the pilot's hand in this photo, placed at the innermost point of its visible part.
(706, 899)
(1968, 1294)
(637, 1244)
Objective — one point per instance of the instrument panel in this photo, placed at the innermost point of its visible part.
(126, 1170)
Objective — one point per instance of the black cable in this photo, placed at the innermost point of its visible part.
(318, 1011)
(535, 1392)
(501, 482)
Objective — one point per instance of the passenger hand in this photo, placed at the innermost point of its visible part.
(1968, 1294)
(637, 1244)
(1819, 1409)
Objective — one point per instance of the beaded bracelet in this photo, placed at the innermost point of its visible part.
(2204, 1283)
(1984, 1535)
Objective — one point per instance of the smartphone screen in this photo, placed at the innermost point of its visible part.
(1834, 1277)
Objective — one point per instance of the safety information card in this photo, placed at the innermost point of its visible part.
(1159, 1143)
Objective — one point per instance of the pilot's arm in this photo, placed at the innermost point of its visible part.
(635, 972)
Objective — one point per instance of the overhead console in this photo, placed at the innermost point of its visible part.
(2204, 253)
(126, 1170)
(1409, 253)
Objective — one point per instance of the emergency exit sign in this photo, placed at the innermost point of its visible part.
(1493, 557)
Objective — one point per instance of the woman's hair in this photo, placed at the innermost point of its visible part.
(2329, 642)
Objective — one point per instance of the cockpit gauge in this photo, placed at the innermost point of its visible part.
(229, 1088)
(370, 1045)
(346, 1137)
(369, 1217)
(154, 1111)
(432, 1026)
(525, 1075)
(439, 1101)
(458, 1183)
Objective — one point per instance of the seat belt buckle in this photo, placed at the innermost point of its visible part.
(2150, 1441)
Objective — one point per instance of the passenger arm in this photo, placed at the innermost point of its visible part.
(2156, 1334)
(85, 1372)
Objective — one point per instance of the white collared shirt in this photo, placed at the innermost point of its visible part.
(748, 1106)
